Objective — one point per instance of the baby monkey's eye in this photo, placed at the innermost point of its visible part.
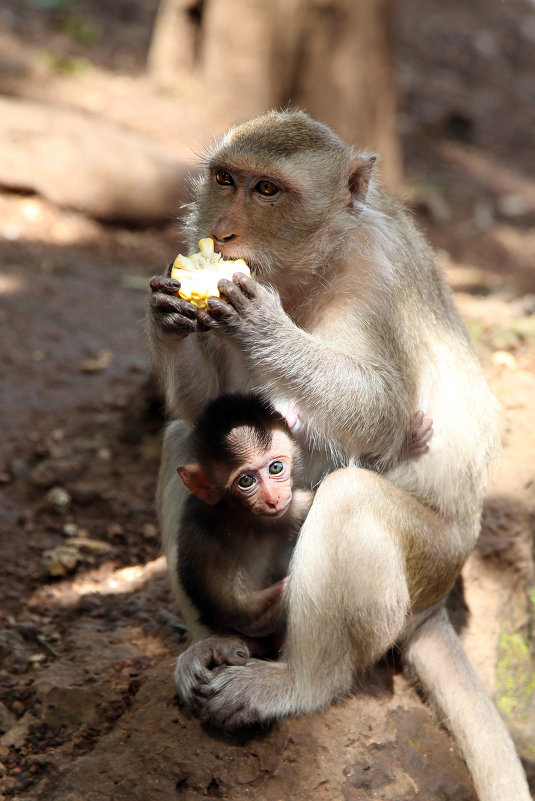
(266, 188)
(275, 468)
(246, 482)
(224, 178)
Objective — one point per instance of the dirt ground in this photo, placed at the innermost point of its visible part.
(87, 709)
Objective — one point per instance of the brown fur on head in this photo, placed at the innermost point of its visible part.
(278, 134)
(212, 439)
(323, 184)
(235, 435)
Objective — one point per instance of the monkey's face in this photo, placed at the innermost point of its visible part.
(273, 207)
(263, 482)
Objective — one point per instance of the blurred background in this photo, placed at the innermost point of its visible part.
(104, 110)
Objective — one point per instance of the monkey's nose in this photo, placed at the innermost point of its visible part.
(222, 239)
(274, 503)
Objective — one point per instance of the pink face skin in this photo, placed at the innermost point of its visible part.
(263, 483)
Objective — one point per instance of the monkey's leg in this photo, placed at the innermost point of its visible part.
(170, 498)
(348, 598)
(435, 654)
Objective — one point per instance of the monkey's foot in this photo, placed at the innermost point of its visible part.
(257, 693)
(196, 667)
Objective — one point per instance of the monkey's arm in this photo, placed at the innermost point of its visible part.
(207, 578)
(180, 357)
(213, 579)
(372, 389)
(262, 611)
(225, 606)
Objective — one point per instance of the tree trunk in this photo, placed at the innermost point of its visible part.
(333, 58)
(345, 74)
(173, 44)
(236, 57)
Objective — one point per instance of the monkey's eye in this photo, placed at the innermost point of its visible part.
(246, 482)
(224, 178)
(266, 188)
(275, 468)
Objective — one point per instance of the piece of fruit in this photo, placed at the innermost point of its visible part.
(199, 273)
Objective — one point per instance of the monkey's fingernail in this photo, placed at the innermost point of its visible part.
(214, 308)
(188, 311)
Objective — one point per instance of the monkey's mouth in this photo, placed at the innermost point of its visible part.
(232, 254)
(277, 512)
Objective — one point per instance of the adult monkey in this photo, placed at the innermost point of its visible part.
(359, 330)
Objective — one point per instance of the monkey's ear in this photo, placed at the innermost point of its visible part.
(359, 177)
(196, 480)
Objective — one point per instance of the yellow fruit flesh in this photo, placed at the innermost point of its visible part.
(199, 273)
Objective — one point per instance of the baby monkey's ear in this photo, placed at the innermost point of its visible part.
(198, 482)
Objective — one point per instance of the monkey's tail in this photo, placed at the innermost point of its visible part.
(436, 657)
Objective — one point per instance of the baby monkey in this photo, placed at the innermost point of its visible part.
(241, 522)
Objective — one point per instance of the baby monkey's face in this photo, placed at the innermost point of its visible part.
(263, 481)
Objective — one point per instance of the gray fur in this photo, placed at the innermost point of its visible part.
(360, 329)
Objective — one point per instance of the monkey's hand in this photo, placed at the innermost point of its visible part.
(269, 615)
(244, 311)
(422, 431)
(169, 312)
(195, 667)
(256, 693)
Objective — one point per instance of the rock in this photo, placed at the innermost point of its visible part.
(98, 364)
(14, 651)
(85, 494)
(60, 560)
(18, 734)
(90, 545)
(78, 161)
(502, 358)
(57, 498)
(514, 205)
(58, 471)
(7, 718)
(149, 531)
(70, 530)
(67, 706)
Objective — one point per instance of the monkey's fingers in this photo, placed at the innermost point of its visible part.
(246, 284)
(238, 296)
(229, 651)
(220, 310)
(228, 701)
(269, 614)
(205, 321)
(421, 434)
(173, 314)
(426, 429)
(417, 450)
(171, 304)
(197, 665)
(160, 283)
